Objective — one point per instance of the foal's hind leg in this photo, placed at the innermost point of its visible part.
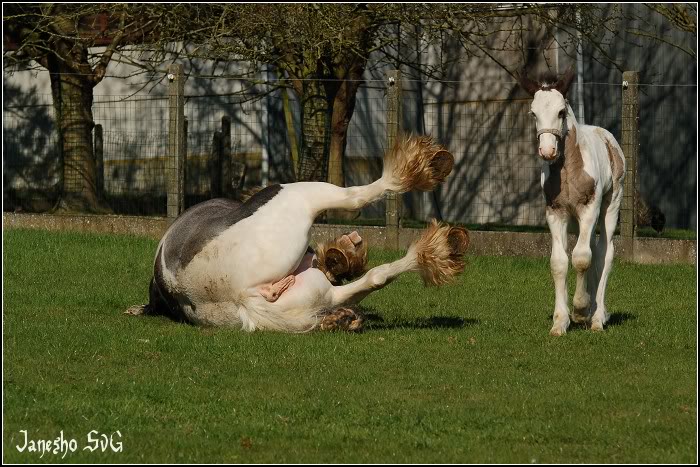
(606, 252)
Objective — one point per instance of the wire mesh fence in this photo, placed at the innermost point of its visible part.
(30, 153)
(273, 139)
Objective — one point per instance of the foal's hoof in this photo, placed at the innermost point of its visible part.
(597, 326)
(342, 319)
(557, 330)
(580, 316)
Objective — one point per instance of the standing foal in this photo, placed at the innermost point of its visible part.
(582, 177)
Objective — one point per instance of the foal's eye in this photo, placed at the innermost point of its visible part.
(562, 113)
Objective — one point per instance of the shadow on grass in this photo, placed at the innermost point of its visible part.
(617, 319)
(374, 321)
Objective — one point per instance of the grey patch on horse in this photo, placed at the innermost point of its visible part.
(200, 224)
(568, 185)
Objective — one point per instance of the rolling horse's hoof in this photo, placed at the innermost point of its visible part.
(342, 319)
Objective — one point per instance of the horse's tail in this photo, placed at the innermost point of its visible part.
(255, 313)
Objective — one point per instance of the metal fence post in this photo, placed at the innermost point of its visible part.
(215, 165)
(183, 170)
(175, 165)
(630, 147)
(393, 122)
(226, 181)
(99, 162)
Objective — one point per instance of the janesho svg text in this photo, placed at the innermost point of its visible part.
(61, 445)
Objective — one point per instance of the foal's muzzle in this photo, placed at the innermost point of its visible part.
(551, 157)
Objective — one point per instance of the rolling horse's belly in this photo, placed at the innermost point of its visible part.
(217, 250)
(257, 250)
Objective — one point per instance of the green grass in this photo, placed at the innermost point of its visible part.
(672, 234)
(462, 374)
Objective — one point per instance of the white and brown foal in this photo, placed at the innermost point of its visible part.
(582, 178)
(248, 265)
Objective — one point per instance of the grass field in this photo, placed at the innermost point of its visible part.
(462, 374)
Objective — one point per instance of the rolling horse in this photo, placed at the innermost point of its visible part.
(248, 265)
(582, 178)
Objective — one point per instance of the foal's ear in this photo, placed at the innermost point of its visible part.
(565, 81)
(526, 83)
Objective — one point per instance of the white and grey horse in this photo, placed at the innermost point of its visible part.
(582, 178)
(248, 265)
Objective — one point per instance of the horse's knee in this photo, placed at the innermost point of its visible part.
(377, 279)
(581, 259)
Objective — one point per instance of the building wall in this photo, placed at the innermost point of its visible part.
(477, 110)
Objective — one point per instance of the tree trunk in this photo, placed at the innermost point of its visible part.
(343, 108)
(73, 96)
(326, 112)
(316, 110)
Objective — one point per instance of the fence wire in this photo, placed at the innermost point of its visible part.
(275, 139)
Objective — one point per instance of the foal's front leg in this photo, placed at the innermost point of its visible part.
(559, 265)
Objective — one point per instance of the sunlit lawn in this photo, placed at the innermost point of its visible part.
(466, 373)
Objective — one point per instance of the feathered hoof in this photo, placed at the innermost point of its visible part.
(417, 163)
(440, 253)
(342, 319)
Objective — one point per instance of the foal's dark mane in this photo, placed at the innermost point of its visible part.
(548, 80)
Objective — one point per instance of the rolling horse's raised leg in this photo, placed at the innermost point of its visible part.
(436, 256)
(414, 163)
(269, 244)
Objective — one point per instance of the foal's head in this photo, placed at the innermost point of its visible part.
(549, 108)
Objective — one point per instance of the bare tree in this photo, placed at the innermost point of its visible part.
(62, 38)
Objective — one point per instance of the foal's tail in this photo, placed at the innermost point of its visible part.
(440, 253)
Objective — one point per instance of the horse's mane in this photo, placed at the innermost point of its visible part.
(548, 79)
